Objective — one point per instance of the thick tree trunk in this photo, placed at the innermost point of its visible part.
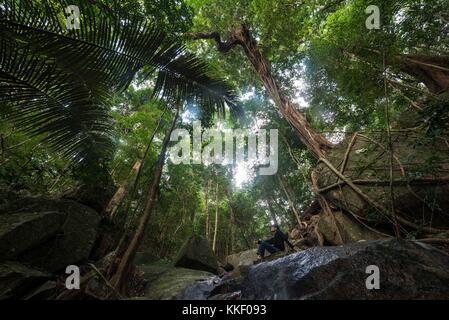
(214, 243)
(289, 199)
(125, 262)
(314, 141)
(433, 71)
(122, 191)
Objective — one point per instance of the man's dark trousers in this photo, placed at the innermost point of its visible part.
(264, 245)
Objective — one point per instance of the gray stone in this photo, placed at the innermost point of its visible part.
(22, 231)
(47, 233)
(46, 291)
(165, 282)
(16, 280)
(408, 270)
(196, 254)
(72, 245)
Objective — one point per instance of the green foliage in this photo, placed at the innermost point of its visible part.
(59, 83)
(175, 16)
(345, 61)
(73, 88)
(436, 115)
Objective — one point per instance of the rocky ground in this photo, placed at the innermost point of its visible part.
(407, 270)
(39, 237)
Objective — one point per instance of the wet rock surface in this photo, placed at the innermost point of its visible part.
(165, 282)
(407, 270)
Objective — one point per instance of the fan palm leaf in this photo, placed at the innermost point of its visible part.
(59, 82)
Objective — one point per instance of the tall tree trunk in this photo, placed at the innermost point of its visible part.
(314, 141)
(131, 183)
(231, 223)
(232, 228)
(121, 192)
(125, 262)
(272, 212)
(214, 243)
(146, 152)
(289, 199)
(207, 210)
(247, 242)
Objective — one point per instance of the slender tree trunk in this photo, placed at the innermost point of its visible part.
(147, 150)
(289, 199)
(273, 214)
(161, 239)
(231, 223)
(125, 262)
(232, 228)
(207, 210)
(314, 141)
(131, 182)
(119, 251)
(248, 244)
(177, 228)
(121, 192)
(214, 243)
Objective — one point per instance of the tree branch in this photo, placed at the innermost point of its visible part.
(222, 46)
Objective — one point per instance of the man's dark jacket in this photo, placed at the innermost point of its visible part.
(278, 240)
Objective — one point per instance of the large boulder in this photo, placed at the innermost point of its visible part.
(197, 254)
(242, 259)
(165, 282)
(338, 228)
(408, 270)
(16, 280)
(22, 231)
(46, 233)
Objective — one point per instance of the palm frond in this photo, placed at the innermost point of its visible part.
(188, 78)
(114, 47)
(58, 82)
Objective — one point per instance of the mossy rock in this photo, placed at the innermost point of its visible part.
(16, 280)
(23, 231)
(196, 254)
(165, 282)
(47, 233)
(72, 245)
